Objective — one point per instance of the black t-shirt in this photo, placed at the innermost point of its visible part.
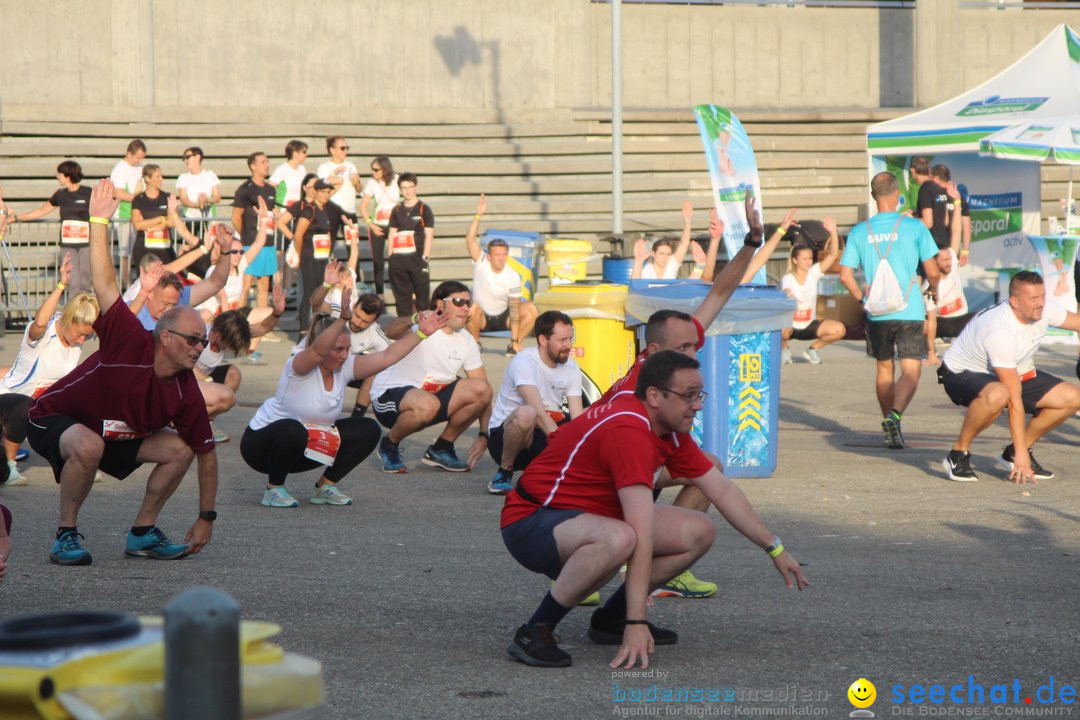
(325, 220)
(416, 218)
(150, 208)
(73, 206)
(246, 198)
(934, 196)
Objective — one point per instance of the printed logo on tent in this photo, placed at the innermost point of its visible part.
(1035, 132)
(996, 105)
(995, 215)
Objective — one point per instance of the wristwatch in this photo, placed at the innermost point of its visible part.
(208, 515)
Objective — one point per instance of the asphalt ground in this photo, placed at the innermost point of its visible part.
(409, 598)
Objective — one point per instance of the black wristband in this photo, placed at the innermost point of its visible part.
(483, 434)
(208, 515)
(749, 240)
(637, 622)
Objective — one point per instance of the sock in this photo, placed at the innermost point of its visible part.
(508, 470)
(615, 607)
(141, 530)
(896, 414)
(550, 612)
(387, 442)
(442, 443)
(61, 530)
(359, 410)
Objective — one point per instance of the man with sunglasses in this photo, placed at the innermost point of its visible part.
(423, 389)
(585, 507)
(114, 411)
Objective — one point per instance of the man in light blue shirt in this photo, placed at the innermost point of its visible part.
(903, 242)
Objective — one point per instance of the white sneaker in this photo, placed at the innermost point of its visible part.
(329, 495)
(278, 497)
(15, 478)
(812, 356)
(785, 356)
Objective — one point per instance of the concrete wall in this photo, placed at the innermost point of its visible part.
(493, 58)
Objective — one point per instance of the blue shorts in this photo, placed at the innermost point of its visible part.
(531, 540)
(265, 263)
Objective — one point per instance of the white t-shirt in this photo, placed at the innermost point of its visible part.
(995, 338)
(554, 384)
(671, 271)
(126, 177)
(234, 288)
(195, 185)
(385, 198)
(39, 364)
(292, 177)
(951, 301)
(304, 397)
(345, 195)
(432, 365)
(491, 290)
(805, 295)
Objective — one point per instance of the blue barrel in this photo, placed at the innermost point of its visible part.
(740, 362)
(618, 270)
(524, 254)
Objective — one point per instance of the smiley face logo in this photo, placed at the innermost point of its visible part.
(862, 693)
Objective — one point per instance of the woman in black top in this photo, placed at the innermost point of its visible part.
(154, 215)
(74, 202)
(313, 239)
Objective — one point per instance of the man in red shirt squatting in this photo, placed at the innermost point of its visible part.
(112, 413)
(585, 506)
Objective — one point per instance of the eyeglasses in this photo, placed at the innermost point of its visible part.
(461, 302)
(192, 340)
(690, 397)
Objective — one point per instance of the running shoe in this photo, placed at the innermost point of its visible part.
(785, 356)
(591, 600)
(445, 459)
(685, 585)
(1009, 454)
(390, 455)
(812, 356)
(154, 545)
(510, 351)
(606, 632)
(219, 437)
(254, 358)
(67, 550)
(21, 454)
(893, 437)
(538, 645)
(14, 478)
(957, 466)
(502, 482)
(330, 495)
(278, 496)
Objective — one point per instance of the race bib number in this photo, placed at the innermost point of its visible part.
(404, 242)
(382, 215)
(157, 239)
(1026, 371)
(74, 232)
(323, 443)
(118, 430)
(803, 315)
(266, 222)
(951, 308)
(320, 246)
(432, 387)
(352, 233)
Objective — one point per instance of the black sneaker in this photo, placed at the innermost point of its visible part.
(537, 645)
(605, 632)
(1009, 454)
(893, 437)
(958, 466)
(510, 351)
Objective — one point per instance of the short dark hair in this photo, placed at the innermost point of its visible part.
(233, 330)
(1024, 277)
(371, 303)
(253, 157)
(920, 164)
(194, 150)
(332, 140)
(661, 243)
(171, 279)
(656, 327)
(445, 290)
(294, 146)
(407, 177)
(941, 172)
(71, 170)
(658, 369)
(546, 322)
(136, 145)
(498, 242)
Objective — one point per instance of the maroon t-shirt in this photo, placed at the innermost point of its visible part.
(116, 393)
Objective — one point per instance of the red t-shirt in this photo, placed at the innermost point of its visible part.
(116, 393)
(587, 461)
(628, 382)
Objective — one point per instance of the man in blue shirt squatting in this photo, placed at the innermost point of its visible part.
(903, 242)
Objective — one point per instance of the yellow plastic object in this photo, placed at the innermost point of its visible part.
(567, 260)
(603, 347)
(129, 683)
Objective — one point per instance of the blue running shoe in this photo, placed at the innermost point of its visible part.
(21, 454)
(390, 455)
(502, 483)
(67, 550)
(445, 459)
(154, 545)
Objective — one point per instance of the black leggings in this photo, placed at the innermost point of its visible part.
(378, 257)
(311, 276)
(278, 449)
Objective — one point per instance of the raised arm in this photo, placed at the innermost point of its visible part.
(641, 254)
(331, 277)
(103, 204)
(684, 242)
(41, 211)
(832, 245)
(471, 243)
(716, 239)
(51, 302)
(762, 256)
(956, 222)
(269, 322)
(732, 274)
(215, 281)
(260, 234)
(310, 357)
(354, 244)
(428, 322)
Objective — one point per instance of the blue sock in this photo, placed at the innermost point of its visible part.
(550, 612)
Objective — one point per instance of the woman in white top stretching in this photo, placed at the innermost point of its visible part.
(801, 284)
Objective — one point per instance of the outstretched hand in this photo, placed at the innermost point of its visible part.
(103, 200)
(149, 277)
(430, 321)
(332, 272)
(65, 269)
(756, 236)
(640, 251)
(716, 225)
(789, 220)
(829, 222)
(698, 253)
(278, 299)
(481, 205)
(688, 211)
(346, 304)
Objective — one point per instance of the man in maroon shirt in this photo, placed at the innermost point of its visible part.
(113, 411)
(585, 507)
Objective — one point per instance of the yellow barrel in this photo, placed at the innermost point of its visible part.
(603, 347)
(567, 260)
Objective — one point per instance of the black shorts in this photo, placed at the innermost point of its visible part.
(13, 409)
(963, 387)
(219, 373)
(807, 333)
(386, 405)
(886, 338)
(119, 459)
(531, 540)
(525, 456)
(953, 326)
(497, 323)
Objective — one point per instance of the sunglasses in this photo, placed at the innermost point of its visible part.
(461, 302)
(376, 169)
(192, 340)
(343, 147)
(188, 156)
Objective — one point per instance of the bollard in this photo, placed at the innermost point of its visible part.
(202, 656)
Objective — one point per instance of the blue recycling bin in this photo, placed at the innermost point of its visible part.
(741, 365)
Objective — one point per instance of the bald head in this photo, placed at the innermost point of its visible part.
(180, 319)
